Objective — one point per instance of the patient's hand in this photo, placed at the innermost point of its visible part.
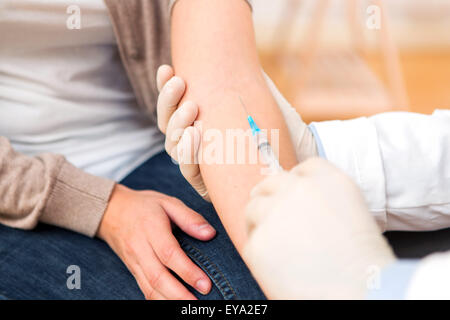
(137, 226)
(183, 138)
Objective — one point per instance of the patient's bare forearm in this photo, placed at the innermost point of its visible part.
(214, 50)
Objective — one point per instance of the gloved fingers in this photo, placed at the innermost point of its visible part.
(164, 74)
(188, 149)
(182, 118)
(315, 166)
(279, 98)
(263, 195)
(276, 183)
(256, 211)
(270, 185)
(168, 100)
(298, 130)
(188, 146)
(196, 181)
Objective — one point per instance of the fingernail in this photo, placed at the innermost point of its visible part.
(202, 286)
(206, 229)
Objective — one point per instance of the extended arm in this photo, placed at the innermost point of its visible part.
(214, 50)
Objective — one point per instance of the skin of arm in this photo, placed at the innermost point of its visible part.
(214, 50)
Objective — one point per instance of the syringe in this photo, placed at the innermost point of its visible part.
(268, 157)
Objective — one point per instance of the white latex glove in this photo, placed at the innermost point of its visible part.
(177, 123)
(311, 235)
(182, 138)
(302, 138)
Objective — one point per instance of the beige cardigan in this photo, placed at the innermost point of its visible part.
(47, 188)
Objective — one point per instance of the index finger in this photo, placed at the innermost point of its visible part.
(173, 257)
(269, 185)
(160, 279)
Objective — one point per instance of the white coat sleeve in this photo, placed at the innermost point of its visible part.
(401, 162)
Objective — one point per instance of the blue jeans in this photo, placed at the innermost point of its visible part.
(33, 264)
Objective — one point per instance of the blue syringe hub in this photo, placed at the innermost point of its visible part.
(253, 125)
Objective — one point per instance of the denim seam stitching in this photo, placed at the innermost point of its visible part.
(216, 269)
(198, 252)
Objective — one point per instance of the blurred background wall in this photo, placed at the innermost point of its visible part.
(331, 60)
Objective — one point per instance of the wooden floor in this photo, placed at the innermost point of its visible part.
(427, 78)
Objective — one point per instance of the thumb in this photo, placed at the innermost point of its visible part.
(301, 136)
(187, 149)
(188, 220)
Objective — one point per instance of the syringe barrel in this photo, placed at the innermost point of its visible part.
(268, 157)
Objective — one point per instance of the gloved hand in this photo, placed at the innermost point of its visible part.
(182, 138)
(177, 123)
(311, 236)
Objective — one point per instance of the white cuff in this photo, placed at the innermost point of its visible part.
(353, 147)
